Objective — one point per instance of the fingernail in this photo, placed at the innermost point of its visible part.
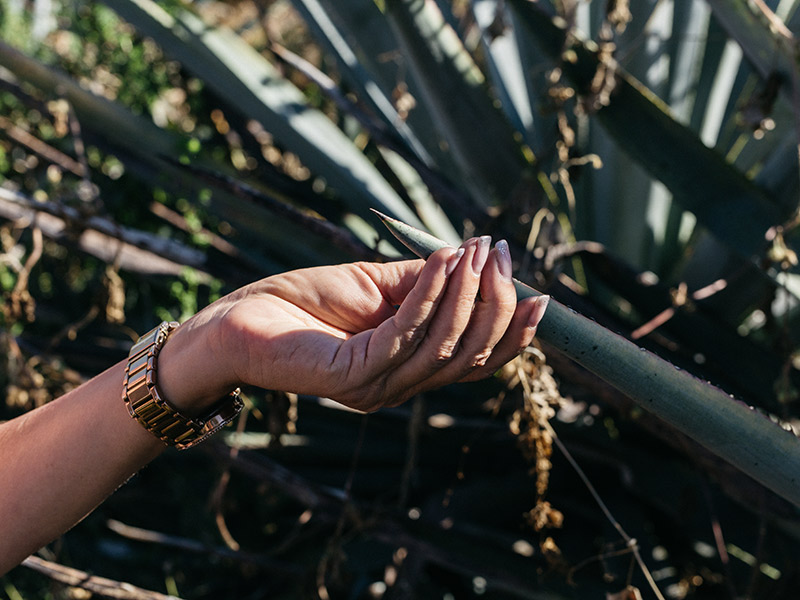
(503, 259)
(538, 311)
(453, 261)
(481, 253)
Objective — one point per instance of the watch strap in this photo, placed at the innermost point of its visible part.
(145, 404)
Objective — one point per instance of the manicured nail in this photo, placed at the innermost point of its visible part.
(453, 261)
(538, 311)
(481, 253)
(503, 259)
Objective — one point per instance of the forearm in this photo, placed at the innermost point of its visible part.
(58, 462)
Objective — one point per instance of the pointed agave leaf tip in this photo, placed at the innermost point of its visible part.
(424, 244)
(419, 242)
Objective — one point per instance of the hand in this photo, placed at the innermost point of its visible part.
(371, 335)
(367, 335)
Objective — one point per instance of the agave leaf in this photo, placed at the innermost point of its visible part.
(768, 45)
(411, 171)
(615, 209)
(482, 142)
(336, 235)
(748, 368)
(356, 75)
(725, 426)
(690, 22)
(715, 44)
(505, 65)
(779, 172)
(250, 84)
(674, 73)
(724, 201)
(368, 33)
(112, 121)
(153, 154)
(538, 122)
(763, 37)
(426, 206)
(620, 204)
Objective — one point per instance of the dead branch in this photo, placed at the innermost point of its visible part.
(137, 251)
(41, 148)
(107, 588)
(181, 543)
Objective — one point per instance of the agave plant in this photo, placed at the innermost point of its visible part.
(641, 159)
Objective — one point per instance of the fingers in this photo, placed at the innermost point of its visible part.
(441, 342)
(493, 311)
(472, 334)
(460, 321)
(456, 312)
(398, 337)
(518, 336)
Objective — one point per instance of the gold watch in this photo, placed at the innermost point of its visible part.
(145, 404)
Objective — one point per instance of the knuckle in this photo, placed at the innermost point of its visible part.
(412, 336)
(481, 358)
(444, 354)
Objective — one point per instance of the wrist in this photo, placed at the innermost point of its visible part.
(190, 377)
(143, 397)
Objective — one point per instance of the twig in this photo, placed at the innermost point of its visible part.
(261, 468)
(70, 330)
(666, 314)
(630, 542)
(414, 430)
(596, 558)
(77, 143)
(759, 556)
(33, 258)
(108, 588)
(154, 537)
(41, 148)
(177, 220)
(219, 491)
(719, 540)
(775, 23)
(136, 250)
(336, 538)
(169, 249)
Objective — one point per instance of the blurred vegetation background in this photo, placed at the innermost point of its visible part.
(641, 158)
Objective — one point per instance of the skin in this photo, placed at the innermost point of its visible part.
(366, 335)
